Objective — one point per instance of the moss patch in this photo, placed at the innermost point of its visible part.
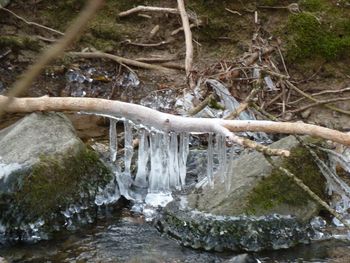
(279, 189)
(55, 183)
(310, 35)
(17, 43)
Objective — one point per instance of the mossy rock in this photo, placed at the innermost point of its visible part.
(258, 189)
(53, 172)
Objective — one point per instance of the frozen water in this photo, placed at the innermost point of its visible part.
(128, 147)
(183, 154)
(222, 156)
(7, 169)
(174, 171)
(158, 199)
(269, 83)
(210, 165)
(113, 144)
(143, 158)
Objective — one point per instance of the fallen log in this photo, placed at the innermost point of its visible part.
(169, 122)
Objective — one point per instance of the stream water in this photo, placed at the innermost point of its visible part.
(123, 237)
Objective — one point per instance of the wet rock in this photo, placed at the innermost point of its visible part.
(201, 230)
(263, 209)
(48, 177)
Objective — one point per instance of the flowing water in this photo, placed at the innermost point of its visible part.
(122, 237)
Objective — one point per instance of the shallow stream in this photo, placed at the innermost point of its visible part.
(124, 237)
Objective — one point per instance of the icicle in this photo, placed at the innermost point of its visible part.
(210, 164)
(143, 157)
(221, 155)
(183, 153)
(113, 144)
(164, 176)
(158, 191)
(229, 173)
(174, 172)
(128, 147)
(156, 162)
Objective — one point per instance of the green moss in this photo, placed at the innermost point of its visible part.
(17, 43)
(313, 5)
(53, 184)
(309, 38)
(279, 189)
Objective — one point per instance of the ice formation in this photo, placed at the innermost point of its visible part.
(161, 161)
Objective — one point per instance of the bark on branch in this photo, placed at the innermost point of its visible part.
(169, 122)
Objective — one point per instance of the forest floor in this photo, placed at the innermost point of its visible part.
(309, 43)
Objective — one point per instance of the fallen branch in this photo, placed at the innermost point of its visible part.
(169, 122)
(176, 31)
(32, 23)
(142, 8)
(161, 43)
(318, 103)
(118, 59)
(315, 100)
(188, 40)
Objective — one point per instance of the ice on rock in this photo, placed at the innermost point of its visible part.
(143, 158)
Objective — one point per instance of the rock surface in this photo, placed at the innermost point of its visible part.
(256, 188)
(263, 209)
(47, 176)
(236, 233)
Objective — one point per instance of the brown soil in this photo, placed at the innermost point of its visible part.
(223, 38)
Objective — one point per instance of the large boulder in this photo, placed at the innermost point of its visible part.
(262, 209)
(47, 176)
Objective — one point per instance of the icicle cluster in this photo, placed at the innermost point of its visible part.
(161, 165)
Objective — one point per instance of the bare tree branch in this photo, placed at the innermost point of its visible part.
(169, 122)
(188, 40)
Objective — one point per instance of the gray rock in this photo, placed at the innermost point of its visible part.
(236, 233)
(258, 189)
(263, 209)
(47, 176)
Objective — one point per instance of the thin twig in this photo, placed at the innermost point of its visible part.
(73, 32)
(201, 105)
(142, 8)
(315, 100)
(243, 106)
(259, 147)
(32, 23)
(319, 102)
(188, 40)
(233, 11)
(118, 59)
(174, 32)
(161, 43)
